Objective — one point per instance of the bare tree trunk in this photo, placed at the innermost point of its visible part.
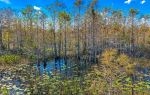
(65, 56)
(44, 53)
(54, 34)
(132, 84)
(1, 41)
(8, 39)
(31, 30)
(38, 50)
(93, 36)
(21, 36)
(78, 22)
(144, 38)
(132, 37)
(59, 51)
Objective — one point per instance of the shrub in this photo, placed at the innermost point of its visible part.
(32, 57)
(9, 59)
(4, 91)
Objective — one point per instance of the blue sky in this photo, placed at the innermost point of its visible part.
(142, 5)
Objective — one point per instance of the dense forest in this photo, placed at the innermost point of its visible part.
(84, 50)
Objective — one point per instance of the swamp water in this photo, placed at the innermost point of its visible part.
(16, 81)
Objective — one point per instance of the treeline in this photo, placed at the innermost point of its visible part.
(58, 32)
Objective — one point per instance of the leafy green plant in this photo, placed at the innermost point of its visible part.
(9, 59)
(32, 57)
(4, 91)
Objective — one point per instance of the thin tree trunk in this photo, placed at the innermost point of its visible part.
(132, 84)
(21, 36)
(37, 52)
(54, 34)
(1, 41)
(44, 53)
(60, 38)
(93, 37)
(78, 56)
(65, 57)
(132, 37)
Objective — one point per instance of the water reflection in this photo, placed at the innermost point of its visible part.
(50, 66)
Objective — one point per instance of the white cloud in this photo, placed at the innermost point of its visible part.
(143, 1)
(37, 8)
(5, 1)
(128, 2)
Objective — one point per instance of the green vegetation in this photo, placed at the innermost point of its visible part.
(9, 59)
(112, 75)
(4, 91)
